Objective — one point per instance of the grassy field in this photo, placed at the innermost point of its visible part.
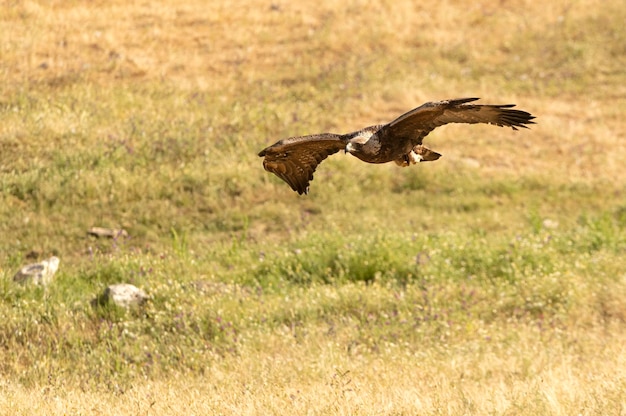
(489, 282)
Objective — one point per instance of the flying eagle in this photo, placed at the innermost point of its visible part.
(294, 159)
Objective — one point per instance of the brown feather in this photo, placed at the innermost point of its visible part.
(295, 159)
(417, 123)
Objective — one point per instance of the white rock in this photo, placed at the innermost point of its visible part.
(550, 224)
(38, 273)
(125, 295)
(107, 232)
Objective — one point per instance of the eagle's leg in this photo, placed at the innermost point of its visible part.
(409, 159)
(403, 161)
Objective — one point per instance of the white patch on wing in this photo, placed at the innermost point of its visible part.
(370, 142)
(361, 138)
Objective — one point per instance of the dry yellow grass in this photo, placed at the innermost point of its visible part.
(534, 371)
(368, 62)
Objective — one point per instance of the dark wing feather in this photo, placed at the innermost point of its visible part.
(417, 123)
(294, 160)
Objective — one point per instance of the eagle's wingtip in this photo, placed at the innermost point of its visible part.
(465, 100)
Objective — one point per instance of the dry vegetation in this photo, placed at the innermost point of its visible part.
(438, 289)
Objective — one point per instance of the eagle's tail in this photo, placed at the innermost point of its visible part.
(418, 154)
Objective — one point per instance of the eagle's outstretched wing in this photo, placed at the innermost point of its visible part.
(294, 160)
(417, 123)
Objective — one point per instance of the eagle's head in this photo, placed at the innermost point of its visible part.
(364, 144)
(352, 147)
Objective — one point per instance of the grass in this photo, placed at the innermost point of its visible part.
(490, 282)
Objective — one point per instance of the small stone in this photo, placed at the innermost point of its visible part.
(124, 295)
(550, 224)
(107, 232)
(38, 273)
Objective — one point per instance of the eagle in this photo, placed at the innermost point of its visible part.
(295, 159)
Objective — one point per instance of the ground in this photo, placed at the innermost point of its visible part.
(488, 282)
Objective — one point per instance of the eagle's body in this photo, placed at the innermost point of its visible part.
(295, 159)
